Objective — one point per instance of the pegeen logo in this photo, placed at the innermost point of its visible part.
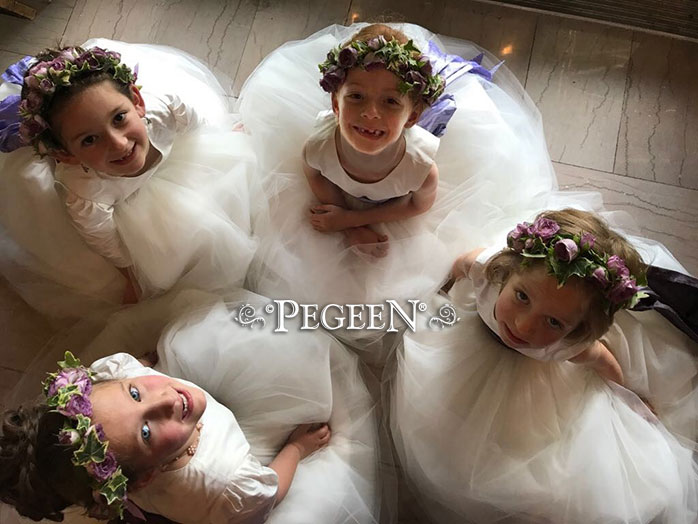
(389, 316)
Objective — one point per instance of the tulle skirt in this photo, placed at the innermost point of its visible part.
(493, 141)
(207, 181)
(485, 434)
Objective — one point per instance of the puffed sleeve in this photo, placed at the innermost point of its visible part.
(249, 496)
(95, 223)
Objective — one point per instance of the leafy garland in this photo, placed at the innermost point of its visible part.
(67, 391)
(47, 76)
(405, 60)
(568, 255)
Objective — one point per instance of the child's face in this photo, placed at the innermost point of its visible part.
(532, 312)
(371, 110)
(102, 129)
(150, 420)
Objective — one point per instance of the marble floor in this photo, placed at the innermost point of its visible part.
(620, 106)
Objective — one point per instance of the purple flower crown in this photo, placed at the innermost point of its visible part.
(569, 255)
(405, 60)
(67, 391)
(46, 76)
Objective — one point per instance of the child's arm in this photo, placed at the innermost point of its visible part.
(330, 217)
(598, 357)
(304, 440)
(324, 190)
(461, 268)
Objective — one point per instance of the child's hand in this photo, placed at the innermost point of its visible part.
(367, 241)
(328, 218)
(309, 438)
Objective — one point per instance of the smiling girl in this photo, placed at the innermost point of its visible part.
(367, 162)
(149, 180)
(560, 404)
(119, 433)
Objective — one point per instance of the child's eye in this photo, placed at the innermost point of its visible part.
(135, 394)
(554, 323)
(120, 117)
(145, 432)
(523, 297)
(355, 96)
(393, 101)
(89, 140)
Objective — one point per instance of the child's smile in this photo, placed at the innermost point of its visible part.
(102, 129)
(372, 112)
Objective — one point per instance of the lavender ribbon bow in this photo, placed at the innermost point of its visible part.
(9, 114)
(451, 67)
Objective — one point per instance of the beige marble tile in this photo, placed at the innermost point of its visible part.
(507, 33)
(8, 380)
(30, 36)
(577, 80)
(278, 21)
(23, 331)
(215, 31)
(659, 127)
(664, 213)
(7, 59)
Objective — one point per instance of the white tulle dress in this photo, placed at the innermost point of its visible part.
(186, 222)
(493, 140)
(485, 434)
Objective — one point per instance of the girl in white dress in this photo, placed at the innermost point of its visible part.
(138, 435)
(368, 167)
(520, 412)
(271, 382)
(153, 179)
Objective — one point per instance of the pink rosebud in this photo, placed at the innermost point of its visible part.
(377, 43)
(544, 228)
(622, 291)
(599, 276)
(46, 86)
(31, 82)
(77, 405)
(332, 79)
(587, 241)
(617, 265)
(566, 249)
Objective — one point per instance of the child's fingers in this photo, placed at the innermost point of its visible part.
(382, 238)
(322, 208)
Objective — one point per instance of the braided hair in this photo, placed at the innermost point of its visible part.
(37, 476)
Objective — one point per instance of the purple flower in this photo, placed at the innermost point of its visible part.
(376, 43)
(521, 230)
(57, 64)
(67, 54)
(105, 469)
(98, 52)
(33, 101)
(39, 69)
(599, 276)
(587, 241)
(566, 249)
(77, 405)
(71, 376)
(623, 290)
(417, 80)
(46, 86)
(347, 57)
(332, 79)
(544, 228)
(617, 265)
(114, 55)
(371, 58)
(68, 437)
(426, 66)
(33, 126)
(31, 82)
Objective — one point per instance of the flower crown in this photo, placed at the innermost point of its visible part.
(569, 255)
(67, 391)
(405, 60)
(46, 76)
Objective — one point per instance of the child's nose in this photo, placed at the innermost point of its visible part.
(524, 324)
(117, 139)
(163, 406)
(370, 110)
